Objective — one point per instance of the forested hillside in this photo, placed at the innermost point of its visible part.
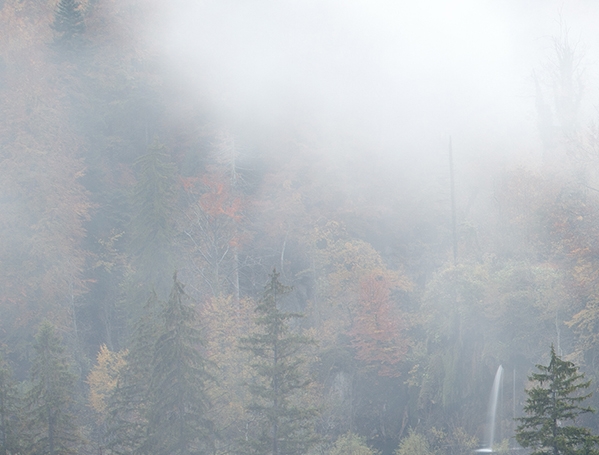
(174, 282)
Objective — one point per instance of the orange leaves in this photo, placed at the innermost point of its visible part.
(214, 228)
(376, 330)
(218, 198)
(189, 184)
(347, 261)
(216, 195)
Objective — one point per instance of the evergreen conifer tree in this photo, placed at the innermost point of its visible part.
(152, 227)
(127, 406)
(551, 403)
(9, 411)
(178, 422)
(285, 421)
(50, 420)
(68, 25)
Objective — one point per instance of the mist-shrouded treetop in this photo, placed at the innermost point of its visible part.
(68, 25)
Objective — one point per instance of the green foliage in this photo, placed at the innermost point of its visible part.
(160, 405)
(65, 127)
(285, 423)
(502, 448)
(178, 423)
(9, 411)
(414, 444)
(451, 441)
(224, 322)
(552, 402)
(152, 225)
(68, 24)
(529, 297)
(127, 405)
(455, 324)
(351, 444)
(50, 420)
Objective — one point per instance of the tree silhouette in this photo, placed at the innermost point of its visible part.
(9, 411)
(552, 402)
(50, 419)
(68, 25)
(177, 419)
(285, 423)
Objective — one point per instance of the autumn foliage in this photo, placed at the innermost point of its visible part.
(112, 177)
(376, 330)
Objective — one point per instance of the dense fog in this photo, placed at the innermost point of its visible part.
(294, 227)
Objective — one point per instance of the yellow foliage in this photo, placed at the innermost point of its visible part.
(347, 260)
(341, 263)
(351, 444)
(104, 376)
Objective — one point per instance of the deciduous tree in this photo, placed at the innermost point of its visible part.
(103, 377)
(351, 444)
(44, 205)
(376, 333)
(414, 444)
(212, 228)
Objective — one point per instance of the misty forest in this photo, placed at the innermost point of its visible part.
(290, 228)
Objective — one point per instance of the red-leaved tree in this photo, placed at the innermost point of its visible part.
(376, 329)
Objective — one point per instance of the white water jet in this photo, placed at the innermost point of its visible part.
(492, 413)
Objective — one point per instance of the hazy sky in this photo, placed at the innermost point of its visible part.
(399, 75)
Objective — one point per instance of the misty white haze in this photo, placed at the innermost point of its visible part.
(399, 76)
(181, 180)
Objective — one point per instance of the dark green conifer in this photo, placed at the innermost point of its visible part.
(152, 227)
(178, 422)
(285, 423)
(9, 411)
(551, 404)
(50, 419)
(127, 425)
(68, 25)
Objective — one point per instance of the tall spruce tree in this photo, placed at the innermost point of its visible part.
(178, 422)
(68, 25)
(551, 403)
(127, 426)
(285, 421)
(50, 418)
(152, 227)
(9, 411)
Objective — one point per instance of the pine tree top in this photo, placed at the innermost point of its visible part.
(68, 21)
(553, 402)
